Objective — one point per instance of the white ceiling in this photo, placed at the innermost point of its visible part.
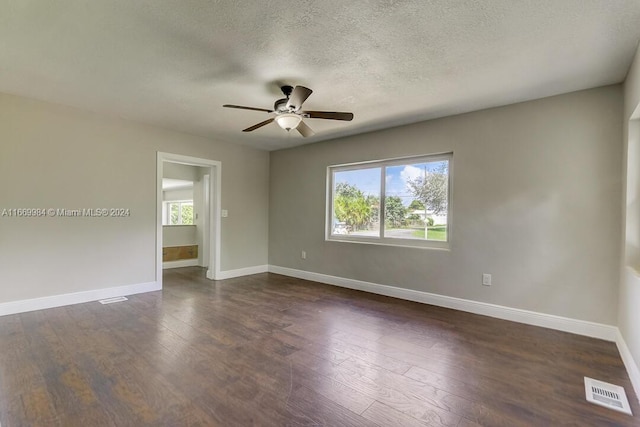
(174, 63)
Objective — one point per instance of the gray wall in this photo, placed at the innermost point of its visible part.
(629, 305)
(535, 202)
(58, 157)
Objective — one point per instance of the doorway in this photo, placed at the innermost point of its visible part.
(207, 191)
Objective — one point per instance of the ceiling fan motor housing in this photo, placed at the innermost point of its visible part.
(280, 105)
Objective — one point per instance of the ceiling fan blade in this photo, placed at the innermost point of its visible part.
(298, 96)
(305, 130)
(259, 125)
(240, 107)
(330, 115)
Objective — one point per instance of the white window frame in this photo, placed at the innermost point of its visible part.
(380, 239)
(166, 211)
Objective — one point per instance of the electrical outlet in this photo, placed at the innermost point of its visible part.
(224, 213)
(303, 255)
(486, 279)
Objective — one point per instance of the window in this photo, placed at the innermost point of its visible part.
(402, 202)
(178, 213)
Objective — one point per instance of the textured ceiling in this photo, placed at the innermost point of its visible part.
(174, 63)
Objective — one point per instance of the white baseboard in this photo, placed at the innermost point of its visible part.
(23, 306)
(246, 271)
(580, 327)
(180, 263)
(629, 363)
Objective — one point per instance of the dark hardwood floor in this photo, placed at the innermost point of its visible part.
(275, 351)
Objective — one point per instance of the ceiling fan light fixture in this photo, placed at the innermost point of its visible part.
(288, 121)
(288, 114)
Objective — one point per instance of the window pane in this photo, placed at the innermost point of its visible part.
(356, 202)
(416, 201)
(414, 193)
(187, 213)
(174, 210)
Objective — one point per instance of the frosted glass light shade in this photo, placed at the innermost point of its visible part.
(288, 121)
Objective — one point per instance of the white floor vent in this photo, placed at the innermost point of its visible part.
(112, 300)
(608, 395)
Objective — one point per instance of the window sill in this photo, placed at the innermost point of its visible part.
(420, 244)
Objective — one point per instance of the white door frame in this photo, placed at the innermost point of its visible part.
(215, 190)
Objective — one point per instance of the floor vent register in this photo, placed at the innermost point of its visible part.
(112, 300)
(608, 395)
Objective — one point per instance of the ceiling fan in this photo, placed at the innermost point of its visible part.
(288, 113)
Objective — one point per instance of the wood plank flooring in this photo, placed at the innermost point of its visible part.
(270, 350)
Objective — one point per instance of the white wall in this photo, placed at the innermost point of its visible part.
(201, 219)
(177, 194)
(179, 235)
(180, 171)
(535, 202)
(629, 304)
(58, 157)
